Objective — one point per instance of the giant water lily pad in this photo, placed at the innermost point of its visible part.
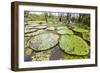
(70, 57)
(26, 43)
(41, 56)
(64, 30)
(28, 51)
(35, 33)
(32, 23)
(43, 41)
(31, 26)
(29, 30)
(50, 28)
(78, 29)
(73, 44)
(86, 36)
(41, 27)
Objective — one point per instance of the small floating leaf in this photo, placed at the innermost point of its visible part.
(73, 44)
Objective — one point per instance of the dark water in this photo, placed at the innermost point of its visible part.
(27, 58)
(57, 54)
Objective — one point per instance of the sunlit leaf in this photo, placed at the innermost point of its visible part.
(64, 30)
(86, 36)
(70, 57)
(73, 44)
(78, 29)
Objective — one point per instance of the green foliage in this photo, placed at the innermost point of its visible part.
(64, 30)
(41, 55)
(28, 51)
(26, 14)
(73, 44)
(34, 33)
(85, 19)
(70, 57)
(55, 25)
(79, 29)
(86, 36)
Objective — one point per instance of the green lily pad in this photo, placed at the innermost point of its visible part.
(70, 57)
(32, 25)
(40, 27)
(34, 33)
(64, 30)
(41, 56)
(78, 29)
(51, 28)
(73, 44)
(28, 51)
(86, 36)
(29, 30)
(26, 43)
(43, 41)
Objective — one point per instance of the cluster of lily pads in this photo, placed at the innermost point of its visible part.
(41, 38)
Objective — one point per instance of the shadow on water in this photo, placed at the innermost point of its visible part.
(57, 54)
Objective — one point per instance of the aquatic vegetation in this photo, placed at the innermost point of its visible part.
(28, 51)
(56, 36)
(86, 36)
(41, 56)
(40, 40)
(34, 33)
(43, 41)
(70, 57)
(73, 44)
(78, 29)
(64, 30)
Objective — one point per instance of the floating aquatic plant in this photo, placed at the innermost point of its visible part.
(41, 56)
(43, 41)
(64, 30)
(70, 57)
(73, 44)
(78, 29)
(86, 36)
(40, 39)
